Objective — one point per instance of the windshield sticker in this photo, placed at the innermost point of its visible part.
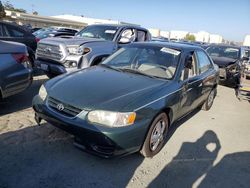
(170, 51)
(110, 31)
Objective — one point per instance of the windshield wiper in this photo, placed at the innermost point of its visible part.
(137, 72)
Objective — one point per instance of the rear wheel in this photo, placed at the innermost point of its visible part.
(155, 138)
(210, 100)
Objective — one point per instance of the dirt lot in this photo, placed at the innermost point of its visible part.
(207, 149)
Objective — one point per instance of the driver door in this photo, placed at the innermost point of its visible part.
(191, 87)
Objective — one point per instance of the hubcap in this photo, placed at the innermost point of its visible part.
(210, 98)
(157, 135)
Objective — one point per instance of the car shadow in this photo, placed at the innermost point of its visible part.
(195, 160)
(21, 100)
(232, 171)
(44, 156)
(192, 161)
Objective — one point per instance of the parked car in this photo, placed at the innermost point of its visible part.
(229, 59)
(15, 68)
(128, 102)
(56, 56)
(15, 33)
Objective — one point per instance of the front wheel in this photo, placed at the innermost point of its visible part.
(210, 100)
(155, 138)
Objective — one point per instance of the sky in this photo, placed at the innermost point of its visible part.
(229, 18)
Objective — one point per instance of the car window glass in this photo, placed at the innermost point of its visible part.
(5, 31)
(141, 36)
(127, 36)
(15, 33)
(159, 62)
(122, 58)
(191, 72)
(222, 51)
(204, 62)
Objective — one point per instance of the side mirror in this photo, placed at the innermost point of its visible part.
(189, 62)
(244, 58)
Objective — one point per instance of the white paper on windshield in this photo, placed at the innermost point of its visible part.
(170, 51)
(110, 31)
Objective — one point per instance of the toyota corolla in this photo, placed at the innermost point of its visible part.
(128, 102)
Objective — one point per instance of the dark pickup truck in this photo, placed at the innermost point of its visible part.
(89, 47)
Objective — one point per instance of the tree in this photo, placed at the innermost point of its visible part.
(190, 37)
(35, 13)
(9, 6)
(2, 12)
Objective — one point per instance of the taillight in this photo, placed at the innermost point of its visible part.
(22, 59)
(37, 39)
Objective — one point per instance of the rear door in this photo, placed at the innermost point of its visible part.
(207, 74)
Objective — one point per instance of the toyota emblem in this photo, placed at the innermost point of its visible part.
(60, 107)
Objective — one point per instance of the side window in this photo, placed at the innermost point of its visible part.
(189, 73)
(127, 36)
(5, 31)
(204, 62)
(15, 32)
(141, 36)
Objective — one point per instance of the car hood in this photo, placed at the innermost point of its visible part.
(223, 61)
(101, 88)
(76, 41)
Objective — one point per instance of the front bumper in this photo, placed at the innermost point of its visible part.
(227, 77)
(96, 139)
(57, 68)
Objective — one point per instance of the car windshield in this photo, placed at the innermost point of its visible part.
(97, 31)
(44, 34)
(36, 33)
(157, 62)
(222, 51)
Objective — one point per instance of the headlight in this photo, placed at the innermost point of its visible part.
(43, 92)
(76, 50)
(112, 119)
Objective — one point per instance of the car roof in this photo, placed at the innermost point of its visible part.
(179, 46)
(120, 25)
(224, 45)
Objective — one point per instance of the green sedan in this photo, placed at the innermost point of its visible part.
(128, 102)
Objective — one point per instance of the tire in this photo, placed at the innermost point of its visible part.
(149, 148)
(210, 100)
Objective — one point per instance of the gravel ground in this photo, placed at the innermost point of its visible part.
(207, 149)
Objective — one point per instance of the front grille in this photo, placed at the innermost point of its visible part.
(48, 51)
(68, 110)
